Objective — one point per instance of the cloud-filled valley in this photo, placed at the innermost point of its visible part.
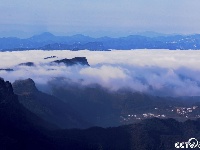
(157, 72)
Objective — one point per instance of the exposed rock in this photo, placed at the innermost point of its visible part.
(6, 92)
(50, 57)
(74, 61)
(30, 64)
(24, 86)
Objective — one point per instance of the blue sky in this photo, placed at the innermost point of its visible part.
(98, 17)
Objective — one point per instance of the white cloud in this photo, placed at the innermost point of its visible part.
(104, 72)
(161, 72)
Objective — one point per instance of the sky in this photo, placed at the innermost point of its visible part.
(157, 72)
(97, 18)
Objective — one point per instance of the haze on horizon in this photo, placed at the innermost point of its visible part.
(24, 18)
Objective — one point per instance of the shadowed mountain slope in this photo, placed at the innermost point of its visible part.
(21, 130)
(47, 106)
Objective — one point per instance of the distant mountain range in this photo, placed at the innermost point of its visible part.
(48, 41)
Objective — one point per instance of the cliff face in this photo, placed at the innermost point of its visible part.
(12, 113)
(6, 91)
(46, 106)
(24, 86)
(21, 130)
(8, 100)
(16, 121)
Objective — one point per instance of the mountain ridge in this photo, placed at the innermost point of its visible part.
(49, 41)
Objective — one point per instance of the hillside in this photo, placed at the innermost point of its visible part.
(21, 129)
(47, 106)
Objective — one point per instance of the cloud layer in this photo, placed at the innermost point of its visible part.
(159, 72)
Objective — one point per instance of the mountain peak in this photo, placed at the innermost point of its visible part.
(46, 34)
(74, 61)
(5, 88)
(24, 86)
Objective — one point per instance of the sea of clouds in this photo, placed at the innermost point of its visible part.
(157, 72)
